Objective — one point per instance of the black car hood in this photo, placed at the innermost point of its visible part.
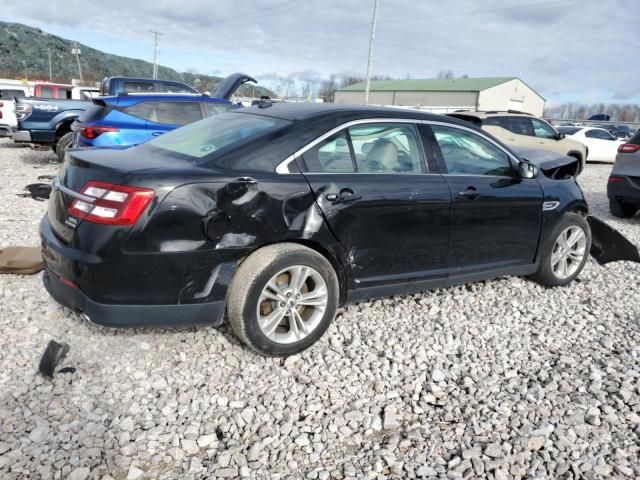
(543, 158)
(230, 84)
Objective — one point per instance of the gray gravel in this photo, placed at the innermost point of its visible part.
(500, 379)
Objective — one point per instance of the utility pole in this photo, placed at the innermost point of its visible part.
(156, 48)
(50, 70)
(372, 39)
(76, 51)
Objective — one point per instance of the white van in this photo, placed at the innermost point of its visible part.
(8, 118)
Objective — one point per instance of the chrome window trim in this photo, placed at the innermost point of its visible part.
(283, 166)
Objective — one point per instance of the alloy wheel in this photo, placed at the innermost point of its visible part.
(568, 252)
(292, 304)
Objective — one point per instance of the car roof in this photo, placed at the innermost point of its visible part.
(307, 110)
(145, 97)
(493, 114)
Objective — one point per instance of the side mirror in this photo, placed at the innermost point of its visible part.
(560, 136)
(527, 169)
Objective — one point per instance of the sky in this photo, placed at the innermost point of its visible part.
(572, 50)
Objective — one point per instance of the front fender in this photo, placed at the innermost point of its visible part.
(609, 245)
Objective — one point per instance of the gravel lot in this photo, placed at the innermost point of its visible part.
(499, 379)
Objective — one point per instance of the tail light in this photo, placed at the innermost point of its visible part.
(23, 111)
(93, 132)
(1, 105)
(613, 179)
(112, 204)
(628, 148)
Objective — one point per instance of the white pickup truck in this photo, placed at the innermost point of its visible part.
(8, 118)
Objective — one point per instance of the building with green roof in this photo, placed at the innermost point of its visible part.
(447, 95)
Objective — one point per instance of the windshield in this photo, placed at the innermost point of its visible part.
(214, 133)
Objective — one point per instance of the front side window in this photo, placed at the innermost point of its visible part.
(542, 130)
(11, 93)
(177, 113)
(466, 153)
(212, 134)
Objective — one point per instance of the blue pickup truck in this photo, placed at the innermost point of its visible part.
(47, 121)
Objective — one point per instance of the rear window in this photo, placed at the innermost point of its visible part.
(93, 113)
(134, 87)
(11, 93)
(635, 139)
(569, 130)
(212, 134)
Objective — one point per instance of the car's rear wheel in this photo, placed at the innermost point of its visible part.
(63, 143)
(282, 299)
(564, 252)
(621, 209)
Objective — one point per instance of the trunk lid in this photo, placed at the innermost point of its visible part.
(230, 84)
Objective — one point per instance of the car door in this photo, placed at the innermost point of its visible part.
(382, 202)
(496, 215)
(169, 115)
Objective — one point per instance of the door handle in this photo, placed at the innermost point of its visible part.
(346, 195)
(157, 134)
(470, 193)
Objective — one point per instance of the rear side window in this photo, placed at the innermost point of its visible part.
(212, 108)
(46, 92)
(169, 88)
(177, 113)
(330, 156)
(133, 87)
(140, 110)
(496, 121)
(386, 148)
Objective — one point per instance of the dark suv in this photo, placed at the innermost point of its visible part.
(623, 188)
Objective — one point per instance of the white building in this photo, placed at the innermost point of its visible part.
(447, 95)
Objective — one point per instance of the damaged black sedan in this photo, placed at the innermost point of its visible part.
(279, 214)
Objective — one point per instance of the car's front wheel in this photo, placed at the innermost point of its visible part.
(282, 299)
(620, 209)
(564, 251)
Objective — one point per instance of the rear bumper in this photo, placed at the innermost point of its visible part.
(627, 190)
(116, 292)
(112, 315)
(5, 131)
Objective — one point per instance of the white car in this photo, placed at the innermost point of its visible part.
(602, 145)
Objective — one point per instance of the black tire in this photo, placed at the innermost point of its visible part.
(545, 274)
(620, 209)
(251, 278)
(61, 147)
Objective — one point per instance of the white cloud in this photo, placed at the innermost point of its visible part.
(564, 49)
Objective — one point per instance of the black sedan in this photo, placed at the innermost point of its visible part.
(278, 214)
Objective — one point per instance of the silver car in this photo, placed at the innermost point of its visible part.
(623, 188)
